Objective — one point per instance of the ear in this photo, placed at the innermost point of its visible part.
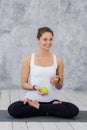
(38, 40)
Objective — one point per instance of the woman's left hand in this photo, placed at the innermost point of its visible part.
(54, 79)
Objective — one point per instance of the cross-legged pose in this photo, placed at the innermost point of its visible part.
(42, 69)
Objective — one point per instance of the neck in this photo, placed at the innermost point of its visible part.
(44, 52)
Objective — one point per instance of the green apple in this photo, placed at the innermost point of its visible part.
(44, 90)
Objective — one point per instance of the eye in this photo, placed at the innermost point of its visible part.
(51, 39)
(45, 39)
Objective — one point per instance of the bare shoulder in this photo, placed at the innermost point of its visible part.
(27, 59)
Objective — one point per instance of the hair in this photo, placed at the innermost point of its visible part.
(42, 30)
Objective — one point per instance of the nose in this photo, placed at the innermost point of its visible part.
(49, 42)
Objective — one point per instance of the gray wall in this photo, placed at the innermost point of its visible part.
(19, 21)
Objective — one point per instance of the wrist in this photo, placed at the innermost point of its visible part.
(34, 87)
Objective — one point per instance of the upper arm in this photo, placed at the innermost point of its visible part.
(60, 69)
(25, 69)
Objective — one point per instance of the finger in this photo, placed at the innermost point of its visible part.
(38, 88)
(56, 79)
(25, 101)
(39, 92)
(22, 100)
(56, 102)
(57, 76)
(52, 78)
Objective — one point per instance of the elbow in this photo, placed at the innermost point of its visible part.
(59, 86)
(23, 85)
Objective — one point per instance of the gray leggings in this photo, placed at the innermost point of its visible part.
(66, 109)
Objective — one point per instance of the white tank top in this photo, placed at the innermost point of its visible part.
(41, 76)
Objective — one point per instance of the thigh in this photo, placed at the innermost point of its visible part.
(20, 110)
(65, 109)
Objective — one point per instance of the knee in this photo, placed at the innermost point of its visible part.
(11, 110)
(14, 109)
(74, 111)
(71, 110)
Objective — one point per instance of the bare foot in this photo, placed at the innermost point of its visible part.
(57, 102)
(34, 103)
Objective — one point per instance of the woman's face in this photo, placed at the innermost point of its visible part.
(46, 40)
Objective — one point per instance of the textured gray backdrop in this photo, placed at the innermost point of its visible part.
(19, 21)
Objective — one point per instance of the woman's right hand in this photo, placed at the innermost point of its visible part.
(38, 89)
(25, 100)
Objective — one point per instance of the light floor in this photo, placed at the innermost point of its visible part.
(78, 98)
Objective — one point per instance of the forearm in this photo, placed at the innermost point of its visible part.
(26, 86)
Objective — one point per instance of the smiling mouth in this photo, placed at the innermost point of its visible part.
(48, 46)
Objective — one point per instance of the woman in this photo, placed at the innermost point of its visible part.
(39, 69)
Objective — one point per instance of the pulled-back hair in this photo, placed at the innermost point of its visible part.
(42, 30)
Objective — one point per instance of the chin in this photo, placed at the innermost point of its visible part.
(47, 48)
